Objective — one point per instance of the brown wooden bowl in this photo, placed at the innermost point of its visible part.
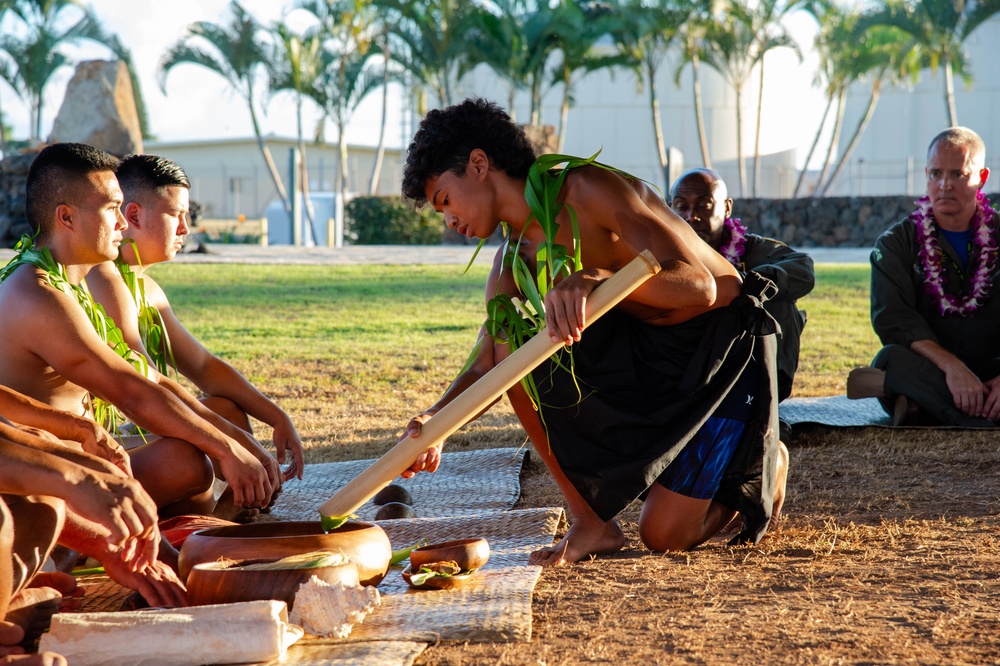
(364, 544)
(437, 582)
(469, 554)
(219, 583)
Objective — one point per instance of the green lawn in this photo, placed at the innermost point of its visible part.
(352, 351)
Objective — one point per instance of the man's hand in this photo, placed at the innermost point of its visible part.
(248, 478)
(286, 438)
(157, 583)
(991, 403)
(429, 460)
(566, 305)
(96, 441)
(121, 506)
(966, 390)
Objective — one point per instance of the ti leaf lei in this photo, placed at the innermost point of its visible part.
(509, 320)
(105, 413)
(152, 329)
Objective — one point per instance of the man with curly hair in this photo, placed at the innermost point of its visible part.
(677, 404)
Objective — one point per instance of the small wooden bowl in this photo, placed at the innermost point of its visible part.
(220, 583)
(436, 582)
(364, 544)
(469, 554)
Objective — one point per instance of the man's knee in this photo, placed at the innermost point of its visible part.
(228, 410)
(170, 468)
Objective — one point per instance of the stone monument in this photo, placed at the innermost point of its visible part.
(99, 109)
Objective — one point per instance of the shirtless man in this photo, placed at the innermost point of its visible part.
(50, 350)
(692, 430)
(156, 208)
(51, 492)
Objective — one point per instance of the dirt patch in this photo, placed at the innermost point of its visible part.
(889, 552)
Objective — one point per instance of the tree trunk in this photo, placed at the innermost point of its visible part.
(380, 151)
(756, 141)
(661, 148)
(949, 94)
(342, 176)
(858, 131)
(838, 124)
(563, 113)
(304, 172)
(739, 140)
(812, 148)
(271, 168)
(699, 114)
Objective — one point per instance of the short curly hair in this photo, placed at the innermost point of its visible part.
(446, 137)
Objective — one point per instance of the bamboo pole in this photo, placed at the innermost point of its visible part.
(480, 395)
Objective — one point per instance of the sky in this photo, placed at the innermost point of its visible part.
(198, 104)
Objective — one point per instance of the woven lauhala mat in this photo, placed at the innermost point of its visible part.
(466, 482)
(835, 410)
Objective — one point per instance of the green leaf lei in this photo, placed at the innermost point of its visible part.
(105, 413)
(152, 329)
(509, 320)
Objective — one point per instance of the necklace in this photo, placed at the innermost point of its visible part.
(105, 413)
(982, 256)
(734, 249)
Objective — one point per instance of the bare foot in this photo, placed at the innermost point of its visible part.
(583, 538)
(31, 610)
(226, 510)
(780, 480)
(65, 584)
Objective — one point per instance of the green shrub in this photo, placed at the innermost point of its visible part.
(391, 221)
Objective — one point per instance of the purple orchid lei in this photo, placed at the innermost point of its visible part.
(984, 245)
(734, 249)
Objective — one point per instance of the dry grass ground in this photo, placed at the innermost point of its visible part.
(888, 552)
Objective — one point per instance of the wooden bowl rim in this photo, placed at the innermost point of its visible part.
(293, 529)
(425, 554)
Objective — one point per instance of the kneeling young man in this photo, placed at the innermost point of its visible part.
(676, 390)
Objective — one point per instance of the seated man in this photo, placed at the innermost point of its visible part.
(156, 208)
(51, 350)
(51, 493)
(700, 197)
(670, 396)
(934, 298)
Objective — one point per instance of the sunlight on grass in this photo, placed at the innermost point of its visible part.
(352, 352)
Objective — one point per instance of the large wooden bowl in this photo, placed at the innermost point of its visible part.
(218, 583)
(469, 554)
(364, 544)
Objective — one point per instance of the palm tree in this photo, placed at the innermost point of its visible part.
(578, 28)
(235, 51)
(836, 28)
(346, 79)
(294, 67)
(885, 55)
(643, 35)
(693, 43)
(33, 49)
(939, 28)
(429, 42)
(766, 18)
(730, 48)
(514, 38)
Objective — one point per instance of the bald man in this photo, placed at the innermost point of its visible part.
(701, 198)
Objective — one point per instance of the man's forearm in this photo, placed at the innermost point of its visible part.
(30, 412)
(936, 354)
